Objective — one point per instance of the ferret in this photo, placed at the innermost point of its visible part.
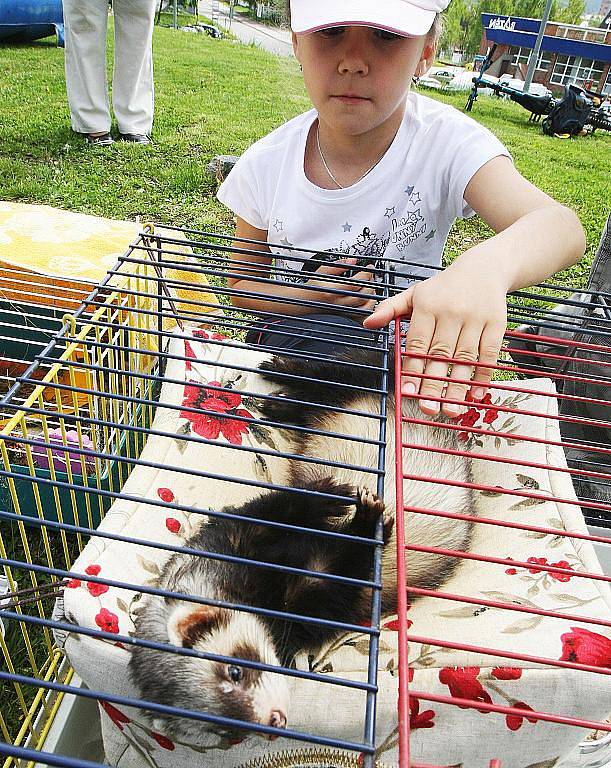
(230, 689)
(309, 381)
(262, 697)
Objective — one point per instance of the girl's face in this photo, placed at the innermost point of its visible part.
(358, 77)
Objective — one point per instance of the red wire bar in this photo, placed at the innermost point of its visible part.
(403, 700)
(402, 547)
(529, 714)
(507, 491)
(508, 655)
(505, 460)
(564, 418)
(505, 606)
(506, 561)
(514, 435)
(507, 524)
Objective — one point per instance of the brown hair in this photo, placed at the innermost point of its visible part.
(434, 32)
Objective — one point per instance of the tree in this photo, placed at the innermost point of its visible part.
(463, 20)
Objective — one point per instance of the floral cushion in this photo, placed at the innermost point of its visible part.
(445, 735)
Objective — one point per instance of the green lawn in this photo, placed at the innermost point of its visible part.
(217, 96)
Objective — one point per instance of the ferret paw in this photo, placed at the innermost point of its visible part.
(369, 507)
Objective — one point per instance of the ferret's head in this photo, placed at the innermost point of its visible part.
(228, 689)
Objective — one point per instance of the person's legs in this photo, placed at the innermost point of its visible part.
(132, 85)
(319, 334)
(86, 23)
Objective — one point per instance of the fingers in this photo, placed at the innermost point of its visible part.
(333, 268)
(359, 296)
(417, 343)
(464, 357)
(447, 379)
(389, 309)
(489, 350)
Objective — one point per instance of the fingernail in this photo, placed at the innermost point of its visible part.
(478, 393)
(451, 409)
(430, 405)
(408, 388)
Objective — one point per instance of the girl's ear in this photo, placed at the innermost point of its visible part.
(426, 59)
(295, 46)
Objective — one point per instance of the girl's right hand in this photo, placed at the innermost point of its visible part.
(361, 296)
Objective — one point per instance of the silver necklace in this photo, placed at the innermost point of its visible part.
(328, 170)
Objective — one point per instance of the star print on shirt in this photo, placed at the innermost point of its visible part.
(431, 234)
(278, 226)
(409, 190)
(390, 212)
(286, 241)
(415, 198)
(347, 227)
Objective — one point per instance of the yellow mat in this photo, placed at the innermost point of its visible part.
(53, 257)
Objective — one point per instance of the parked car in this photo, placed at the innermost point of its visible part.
(443, 75)
(536, 89)
(426, 81)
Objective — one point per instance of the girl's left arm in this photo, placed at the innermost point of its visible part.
(460, 313)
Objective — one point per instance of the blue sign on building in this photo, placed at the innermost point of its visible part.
(568, 53)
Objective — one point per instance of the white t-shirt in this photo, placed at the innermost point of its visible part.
(402, 210)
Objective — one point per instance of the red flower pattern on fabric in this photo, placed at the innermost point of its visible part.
(199, 333)
(172, 524)
(107, 621)
(225, 403)
(469, 418)
(514, 722)
(73, 584)
(163, 741)
(165, 494)
(93, 569)
(586, 647)
(118, 718)
(564, 577)
(507, 673)
(463, 684)
(535, 561)
(419, 719)
(95, 590)
(477, 410)
(393, 625)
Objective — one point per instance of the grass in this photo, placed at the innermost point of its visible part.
(217, 97)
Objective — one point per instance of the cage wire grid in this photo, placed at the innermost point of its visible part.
(103, 372)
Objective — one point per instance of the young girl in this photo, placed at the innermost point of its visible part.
(374, 169)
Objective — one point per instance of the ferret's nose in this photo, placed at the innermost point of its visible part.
(277, 719)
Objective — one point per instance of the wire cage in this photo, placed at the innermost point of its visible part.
(164, 434)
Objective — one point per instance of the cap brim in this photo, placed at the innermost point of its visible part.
(396, 16)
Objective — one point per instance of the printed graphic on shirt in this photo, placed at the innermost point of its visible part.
(407, 228)
(368, 247)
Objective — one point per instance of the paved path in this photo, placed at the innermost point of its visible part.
(271, 39)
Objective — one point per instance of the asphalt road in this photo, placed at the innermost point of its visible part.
(272, 39)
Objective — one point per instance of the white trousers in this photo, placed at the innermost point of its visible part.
(86, 22)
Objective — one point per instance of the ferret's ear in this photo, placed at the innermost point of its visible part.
(187, 623)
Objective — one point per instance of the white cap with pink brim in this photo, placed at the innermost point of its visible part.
(409, 18)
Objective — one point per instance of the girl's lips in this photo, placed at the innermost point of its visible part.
(350, 99)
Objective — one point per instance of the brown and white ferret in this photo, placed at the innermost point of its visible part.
(347, 506)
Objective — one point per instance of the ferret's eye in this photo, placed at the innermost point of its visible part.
(235, 673)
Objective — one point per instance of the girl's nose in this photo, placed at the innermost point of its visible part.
(353, 59)
(352, 62)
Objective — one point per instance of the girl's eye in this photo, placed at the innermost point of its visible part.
(331, 31)
(384, 34)
(235, 673)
